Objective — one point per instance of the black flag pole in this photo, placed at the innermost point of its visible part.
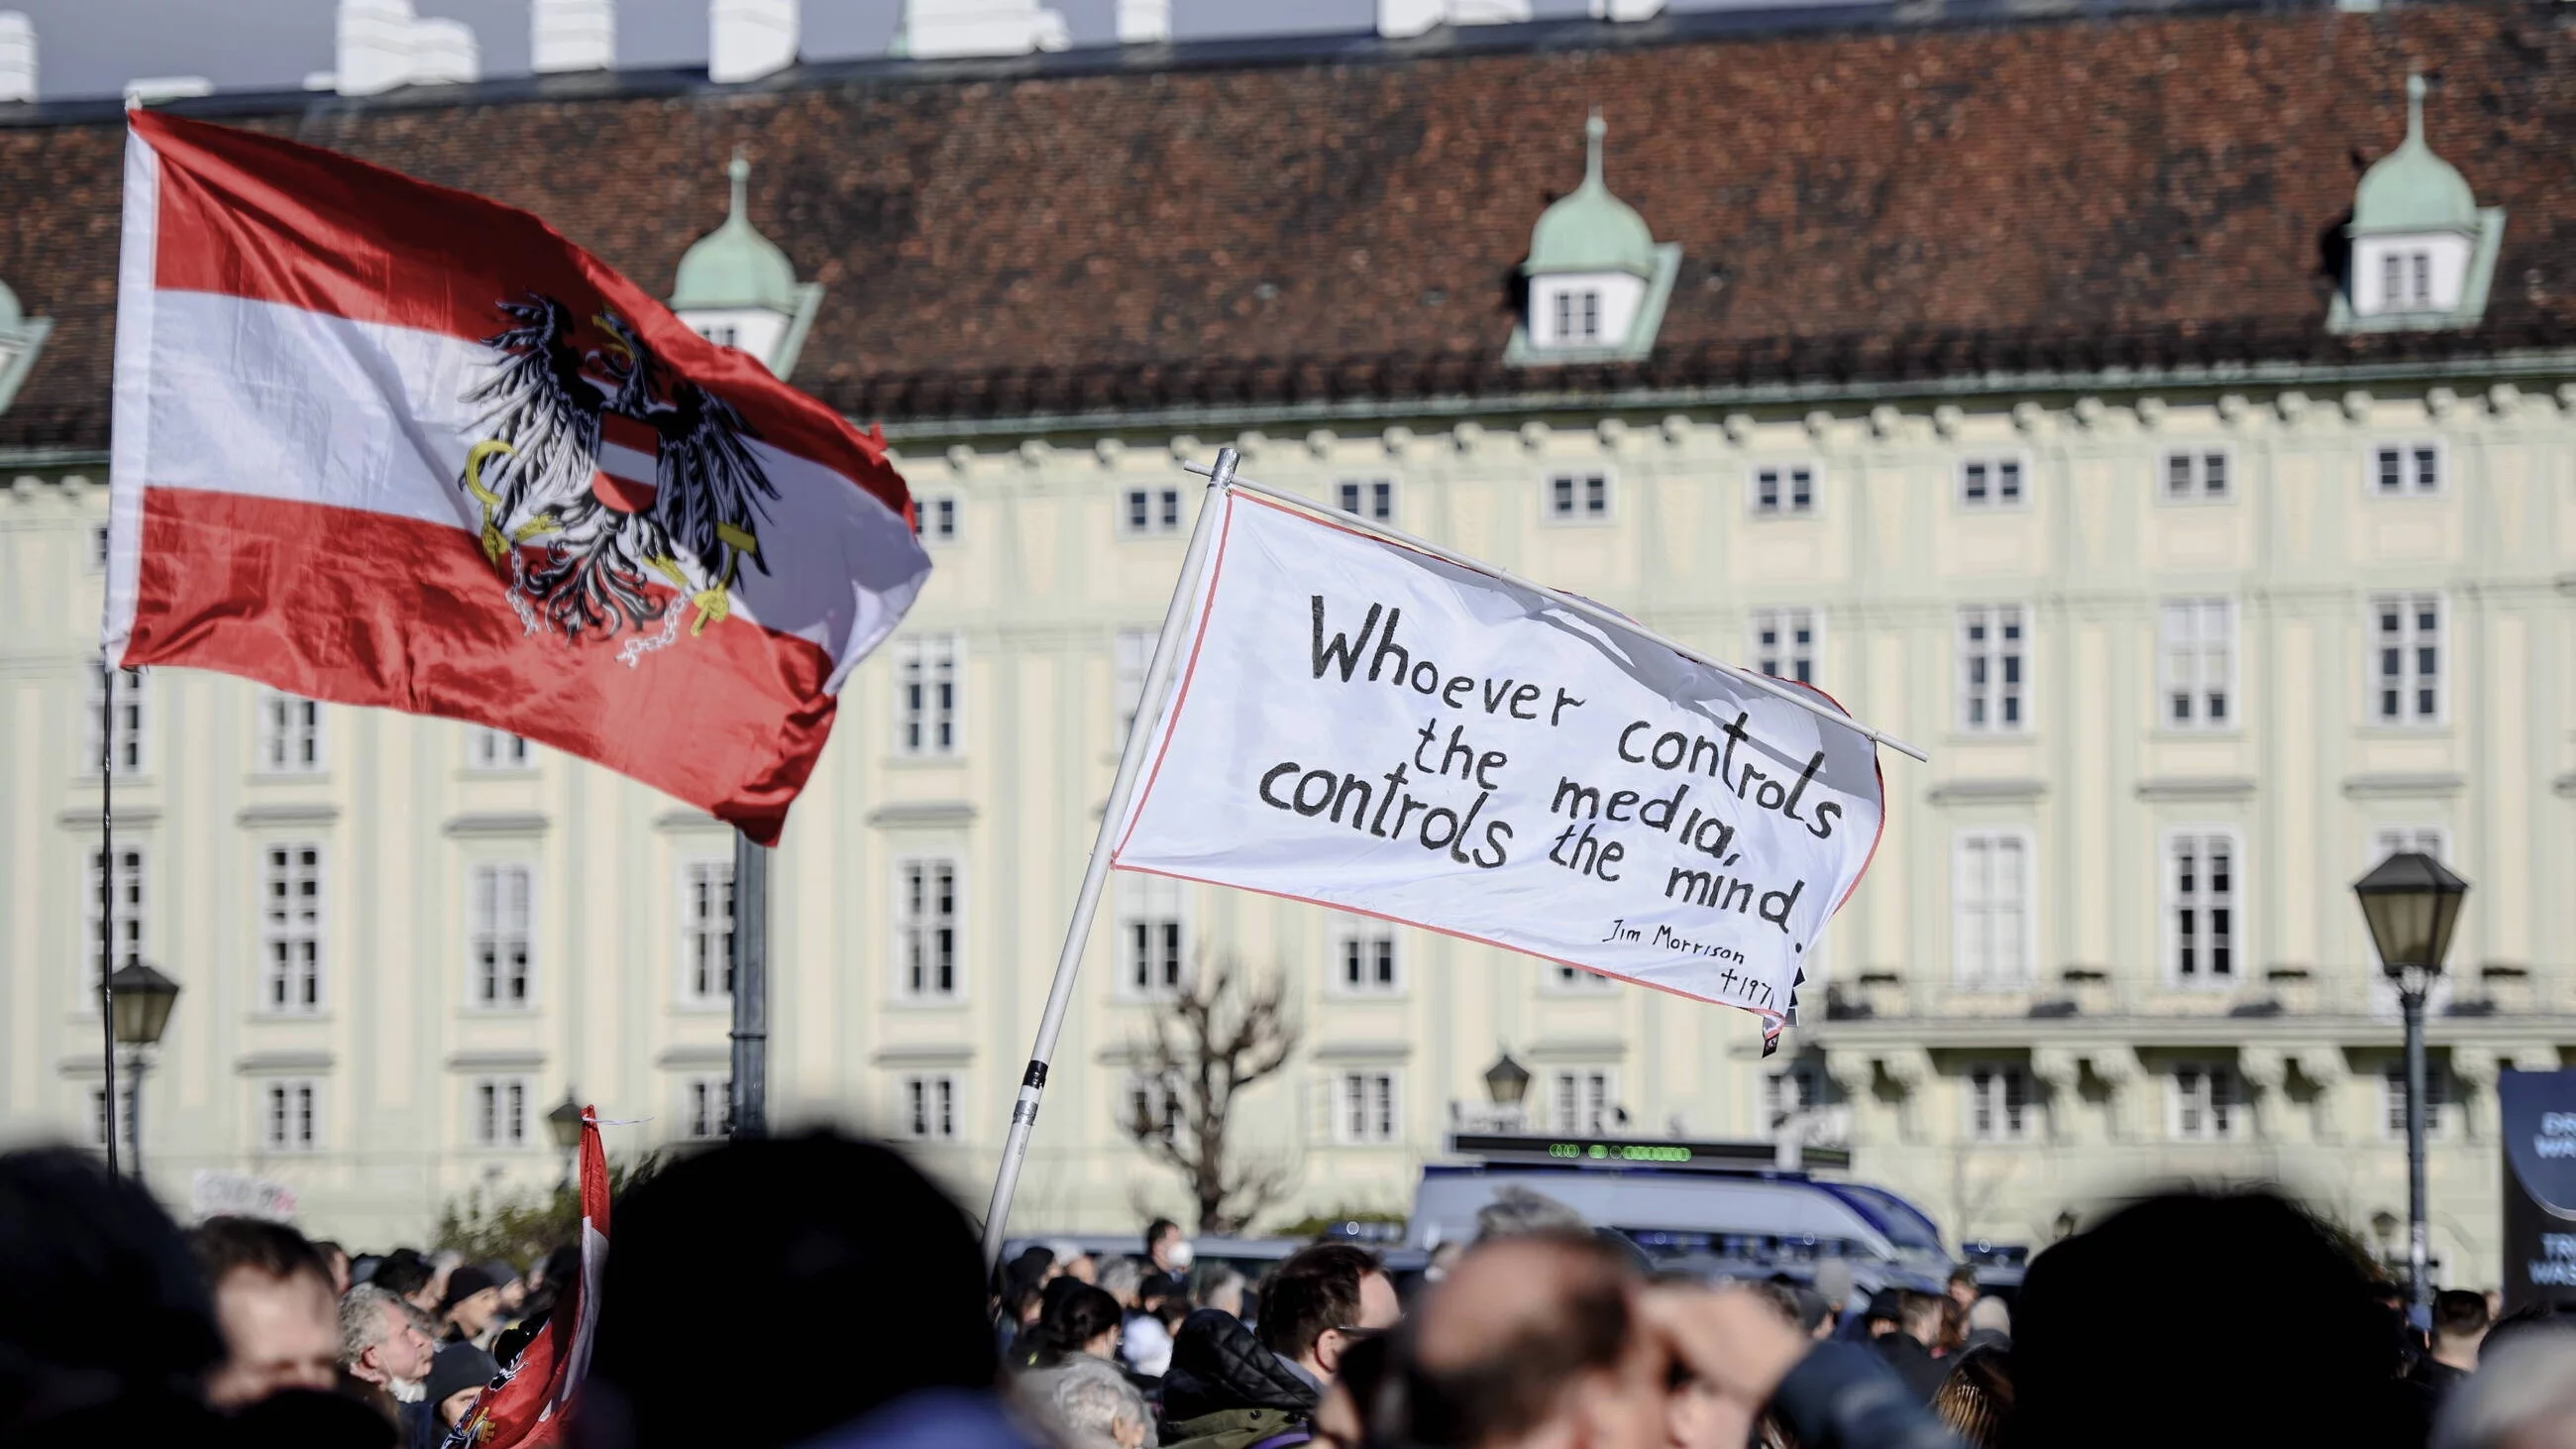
(747, 1098)
(107, 890)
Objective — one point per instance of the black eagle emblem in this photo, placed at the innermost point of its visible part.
(614, 494)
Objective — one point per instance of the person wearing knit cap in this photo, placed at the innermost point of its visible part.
(471, 1308)
(458, 1373)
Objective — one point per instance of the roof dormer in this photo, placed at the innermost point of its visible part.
(737, 288)
(2423, 251)
(1598, 279)
(21, 338)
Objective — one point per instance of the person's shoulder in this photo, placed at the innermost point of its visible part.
(932, 1419)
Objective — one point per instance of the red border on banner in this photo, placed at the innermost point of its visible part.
(1198, 642)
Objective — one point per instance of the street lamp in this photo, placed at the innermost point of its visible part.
(1506, 1083)
(565, 1123)
(2412, 905)
(142, 998)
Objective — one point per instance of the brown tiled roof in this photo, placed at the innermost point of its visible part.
(1341, 220)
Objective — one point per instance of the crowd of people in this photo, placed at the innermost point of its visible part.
(817, 1291)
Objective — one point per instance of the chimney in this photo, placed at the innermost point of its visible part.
(1144, 22)
(572, 35)
(17, 57)
(748, 39)
(443, 52)
(374, 46)
(936, 29)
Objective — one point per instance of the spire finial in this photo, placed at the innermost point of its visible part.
(2415, 89)
(738, 171)
(1593, 130)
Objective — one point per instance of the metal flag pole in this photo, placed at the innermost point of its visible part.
(1077, 934)
(1803, 699)
(107, 891)
(747, 1096)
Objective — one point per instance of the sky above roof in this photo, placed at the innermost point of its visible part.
(93, 47)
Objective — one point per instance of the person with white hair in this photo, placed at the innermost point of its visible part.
(2523, 1396)
(1989, 1323)
(1100, 1410)
(1516, 1209)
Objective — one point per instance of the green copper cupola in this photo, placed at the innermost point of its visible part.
(2422, 250)
(1598, 279)
(736, 287)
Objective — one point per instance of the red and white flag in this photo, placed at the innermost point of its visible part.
(379, 442)
(526, 1408)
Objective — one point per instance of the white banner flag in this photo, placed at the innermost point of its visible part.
(1367, 726)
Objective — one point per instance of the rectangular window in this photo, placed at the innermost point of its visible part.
(1151, 512)
(2208, 1104)
(133, 712)
(1589, 329)
(1575, 978)
(1584, 1100)
(1998, 1104)
(290, 932)
(1990, 909)
(99, 547)
(1990, 483)
(1786, 489)
(2399, 469)
(2195, 474)
(1364, 961)
(1369, 498)
(98, 1117)
(705, 1106)
(927, 1108)
(1784, 643)
(926, 929)
(499, 1108)
(2392, 277)
(2419, 267)
(925, 695)
(2199, 658)
(1149, 934)
(288, 1116)
(1990, 668)
(489, 749)
(2407, 669)
(2200, 907)
(1366, 1108)
(1788, 1094)
(290, 734)
(1134, 659)
(126, 936)
(934, 517)
(2437, 1099)
(706, 930)
(1578, 498)
(1152, 1105)
(499, 905)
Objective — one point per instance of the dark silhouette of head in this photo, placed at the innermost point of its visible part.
(1070, 1320)
(795, 1250)
(104, 1316)
(2107, 1325)
(1976, 1401)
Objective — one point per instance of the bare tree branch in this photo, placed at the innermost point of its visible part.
(1212, 1038)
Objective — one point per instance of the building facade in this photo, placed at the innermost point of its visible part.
(2207, 574)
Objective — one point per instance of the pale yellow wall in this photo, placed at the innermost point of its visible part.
(1039, 583)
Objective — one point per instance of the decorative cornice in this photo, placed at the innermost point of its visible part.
(923, 1054)
(681, 820)
(517, 823)
(497, 1059)
(2197, 788)
(695, 1054)
(2403, 787)
(921, 814)
(288, 813)
(1986, 792)
(272, 1062)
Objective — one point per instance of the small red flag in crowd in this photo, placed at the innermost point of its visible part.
(527, 1408)
(383, 443)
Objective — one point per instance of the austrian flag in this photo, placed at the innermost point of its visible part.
(383, 443)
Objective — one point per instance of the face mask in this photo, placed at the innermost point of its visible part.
(1180, 1254)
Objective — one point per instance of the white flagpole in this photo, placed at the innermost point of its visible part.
(1585, 607)
(1077, 934)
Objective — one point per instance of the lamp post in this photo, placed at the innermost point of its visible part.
(2412, 905)
(1506, 1083)
(565, 1123)
(140, 1000)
